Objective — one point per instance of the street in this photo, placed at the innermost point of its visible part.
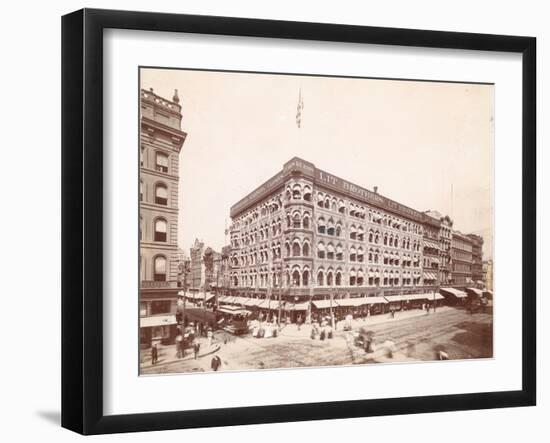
(410, 336)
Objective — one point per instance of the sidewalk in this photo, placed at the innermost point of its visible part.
(168, 354)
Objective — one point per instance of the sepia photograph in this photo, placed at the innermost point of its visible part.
(292, 221)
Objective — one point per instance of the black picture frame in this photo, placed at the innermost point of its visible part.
(82, 216)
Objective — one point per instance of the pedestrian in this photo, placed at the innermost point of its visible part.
(209, 336)
(154, 354)
(196, 348)
(392, 312)
(179, 340)
(299, 321)
(216, 363)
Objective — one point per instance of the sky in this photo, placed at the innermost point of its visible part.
(427, 145)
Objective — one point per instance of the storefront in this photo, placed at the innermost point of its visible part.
(157, 328)
(454, 296)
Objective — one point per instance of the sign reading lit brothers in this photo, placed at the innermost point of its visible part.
(329, 181)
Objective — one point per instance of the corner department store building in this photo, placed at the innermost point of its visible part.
(313, 240)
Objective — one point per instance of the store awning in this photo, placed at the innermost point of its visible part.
(425, 296)
(346, 302)
(394, 298)
(455, 292)
(375, 300)
(200, 296)
(238, 311)
(157, 320)
(296, 306)
(323, 304)
(429, 276)
(476, 291)
(430, 244)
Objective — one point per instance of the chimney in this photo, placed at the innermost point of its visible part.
(376, 189)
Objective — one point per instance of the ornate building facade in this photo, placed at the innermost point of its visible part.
(161, 140)
(306, 235)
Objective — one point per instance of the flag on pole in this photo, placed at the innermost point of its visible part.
(300, 107)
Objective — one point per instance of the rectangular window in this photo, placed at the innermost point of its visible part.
(160, 307)
(162, 162)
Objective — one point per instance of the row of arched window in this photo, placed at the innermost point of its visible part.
(297, 191)
(298, 220)
(270, 206)
(301, 276)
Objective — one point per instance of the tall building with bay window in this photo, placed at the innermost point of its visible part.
(306, 235)
(444, 250)
(161, 140)
(462, 259)
(477, 259)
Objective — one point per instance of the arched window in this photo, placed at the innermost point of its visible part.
(360, 278)
(320, 199)
(371, 237)
(161, 162)
(160, 229)
(305, 278)
(385, 239)
(296, 220)
(321, 250)
(296, 252)
(353, 232)
(361, 233)
(287, 248)
(321, 226)
(307, 193)
(360, 255)
(327, 203)
(339, 252)
(305, 249)
(330, 251)
(159, 270)
(330, 227)
(305, 221)
(140, 190)
(341, 207)
(297, 192)
(320, 278)
(296, 277)
(352, 277)
(352, 254)
(338, 231)
(338, 278)
(330, 278)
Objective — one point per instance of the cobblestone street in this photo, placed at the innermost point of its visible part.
(413, 336)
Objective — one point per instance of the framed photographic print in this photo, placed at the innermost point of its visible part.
(269, 221)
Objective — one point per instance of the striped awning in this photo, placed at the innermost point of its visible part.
(430, 244)
(394, 298)
(429, 276)
(200, 296)
(453, 291)
(476, 291)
